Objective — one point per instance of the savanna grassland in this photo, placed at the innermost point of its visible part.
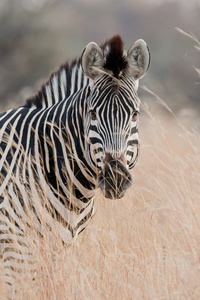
(144, 246)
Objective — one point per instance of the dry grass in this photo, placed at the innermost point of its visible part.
(145, 246)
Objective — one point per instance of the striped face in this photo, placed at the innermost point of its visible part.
(111, 129)
(112, 132)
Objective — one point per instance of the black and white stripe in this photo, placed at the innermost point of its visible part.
(62, 83)
(53, 149)
(114, 131)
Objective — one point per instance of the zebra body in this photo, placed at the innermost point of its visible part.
(80, 132)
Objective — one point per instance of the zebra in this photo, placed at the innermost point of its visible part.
(77, 134)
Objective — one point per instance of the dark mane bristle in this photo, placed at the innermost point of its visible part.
(40, 98)
(52, 90)
(114, 53)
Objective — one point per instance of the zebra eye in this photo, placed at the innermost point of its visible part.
(93, 115)
(134, 116)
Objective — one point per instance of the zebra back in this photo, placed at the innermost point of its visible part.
(62, 83)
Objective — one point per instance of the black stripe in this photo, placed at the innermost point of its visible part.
(85, 219)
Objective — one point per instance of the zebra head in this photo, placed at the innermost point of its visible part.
(111, 122)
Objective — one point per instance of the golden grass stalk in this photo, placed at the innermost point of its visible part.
(145, 246)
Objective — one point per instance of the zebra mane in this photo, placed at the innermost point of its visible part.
(69, 78)
(114, 56)
(62, 83)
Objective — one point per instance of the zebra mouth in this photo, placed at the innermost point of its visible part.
(114, 180)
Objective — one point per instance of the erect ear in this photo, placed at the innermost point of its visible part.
(92, 60)
(138, 57)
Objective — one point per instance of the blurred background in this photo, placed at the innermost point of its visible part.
(36, 36)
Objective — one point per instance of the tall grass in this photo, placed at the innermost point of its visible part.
(145, 246)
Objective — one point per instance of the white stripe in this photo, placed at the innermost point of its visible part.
(28, 139)
(63, 83)
(55, 88)
(80, 73)
(3, 158)
(73, 74)
(7, 122)
(49, 95)
(5, 114)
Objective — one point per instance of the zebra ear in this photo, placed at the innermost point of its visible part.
(138, 57)
(92, 60)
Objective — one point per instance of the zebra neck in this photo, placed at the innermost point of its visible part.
(63, 83)
(62, 127)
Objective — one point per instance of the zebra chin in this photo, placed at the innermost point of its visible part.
(114, 180)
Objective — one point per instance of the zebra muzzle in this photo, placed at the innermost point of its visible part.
(114, 179)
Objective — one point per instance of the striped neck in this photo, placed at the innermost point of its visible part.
(64, 82)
